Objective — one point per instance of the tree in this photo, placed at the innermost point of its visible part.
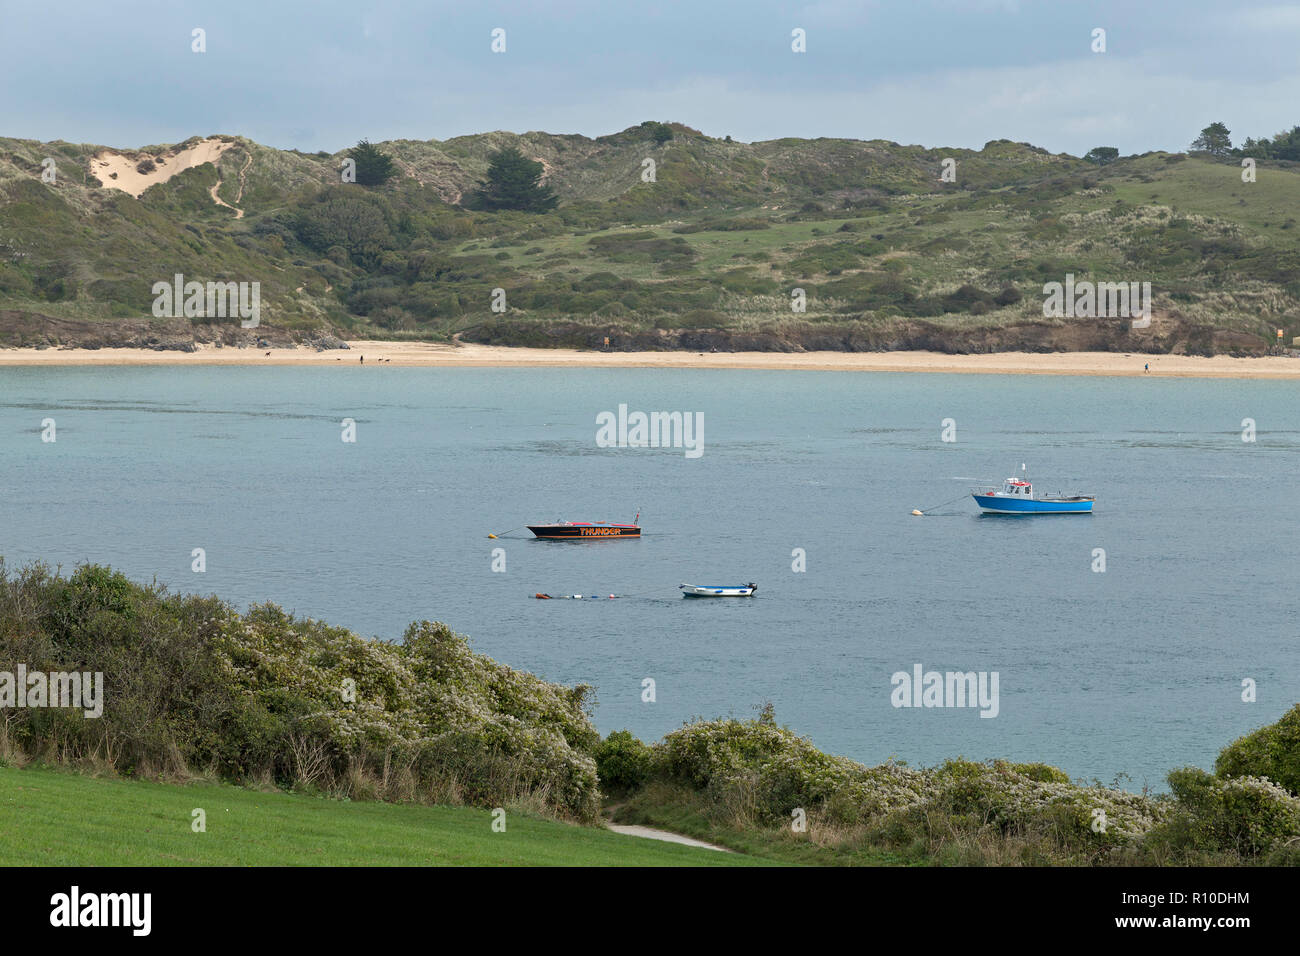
(659, 132)
(1214, 139)
(1285, 145)
(1102, 155)
(353, 220)
(374, 167)
(514, 182)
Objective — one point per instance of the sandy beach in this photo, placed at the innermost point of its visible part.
(386, 354)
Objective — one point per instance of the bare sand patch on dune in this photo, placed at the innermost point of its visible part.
(119, 170)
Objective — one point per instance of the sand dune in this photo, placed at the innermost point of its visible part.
(129, 180)
(393, 354)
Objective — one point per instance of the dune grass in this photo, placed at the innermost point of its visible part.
(867, 229)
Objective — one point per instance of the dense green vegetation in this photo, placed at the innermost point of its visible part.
(194, 691)
(708, 254)
(1216, 139)
(1280, 146)
(745, 784)
(1272, 752)
(193, 687)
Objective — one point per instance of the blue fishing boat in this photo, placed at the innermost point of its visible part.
(1016, 497)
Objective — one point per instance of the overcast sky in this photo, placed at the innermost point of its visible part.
(323, 74)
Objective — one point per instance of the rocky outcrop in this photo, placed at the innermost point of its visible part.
(1168, 334)
(33, 330)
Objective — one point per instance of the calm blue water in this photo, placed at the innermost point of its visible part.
(1135, 670)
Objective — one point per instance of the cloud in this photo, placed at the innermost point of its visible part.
(937, 72)
(1068, 106)
(1260, 19)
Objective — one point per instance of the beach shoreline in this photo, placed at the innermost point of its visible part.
(436, 355)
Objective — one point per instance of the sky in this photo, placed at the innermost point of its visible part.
(326, 73)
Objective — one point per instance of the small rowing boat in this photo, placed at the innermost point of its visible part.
(718, 590)
(587, 530)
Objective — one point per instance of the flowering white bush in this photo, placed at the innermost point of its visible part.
(778, 771)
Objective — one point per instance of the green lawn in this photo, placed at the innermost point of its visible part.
(57, 818)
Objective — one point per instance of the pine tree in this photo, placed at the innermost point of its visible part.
(514, 182)
(1102, 155)
(374, 167)
(1214, 139)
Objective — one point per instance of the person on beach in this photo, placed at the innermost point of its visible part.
(1146, 367)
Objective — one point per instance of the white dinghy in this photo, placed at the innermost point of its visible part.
(718, 590)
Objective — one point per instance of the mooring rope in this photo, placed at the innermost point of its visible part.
(927, 512)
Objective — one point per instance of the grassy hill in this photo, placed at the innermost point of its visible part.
(56, 818)
(706, 256)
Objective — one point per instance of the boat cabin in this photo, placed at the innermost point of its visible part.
(1014, 487)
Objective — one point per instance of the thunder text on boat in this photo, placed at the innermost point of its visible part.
(587, 530)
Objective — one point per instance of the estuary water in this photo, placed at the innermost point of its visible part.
(1121, 673)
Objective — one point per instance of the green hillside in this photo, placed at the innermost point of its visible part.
(706, 256)
(55, 818)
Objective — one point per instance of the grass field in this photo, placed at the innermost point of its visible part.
(52, 817)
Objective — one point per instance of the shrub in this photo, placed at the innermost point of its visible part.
(1272, 752)
(394, 318)
(659, 132)
(1009, 295)
(190, 683)
(351, 220)
(1286, 854)
(724, 225)
(1040, 772)
(757, 771)
(622, 761)
(778, 769)
(966, 299)
(1245, 815)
